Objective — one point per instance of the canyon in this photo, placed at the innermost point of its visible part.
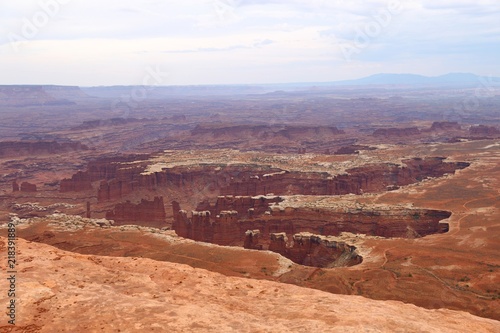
(118, 178)
(334, 195)
(253, 223)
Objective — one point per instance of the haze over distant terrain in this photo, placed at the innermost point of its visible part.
(88, 43)
(249, 165)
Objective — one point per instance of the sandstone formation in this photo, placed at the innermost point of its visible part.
(146, 213)
(101, 169)
(445, 126)
(271, 228)
(15, 186)
(27, 187)
(266, 132)
(27, 95)
(229, 227)
(484, 131)
(314, 250)
(87, 210)
(244, 205)
(119, 178)
(252, 240)
(78, 182)
(352, 149)
(68, 292)
(372, 178)
(21, 148)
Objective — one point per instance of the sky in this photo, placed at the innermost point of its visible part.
(192, 42)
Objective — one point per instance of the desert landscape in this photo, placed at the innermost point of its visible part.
(250, 166)
(200, 218)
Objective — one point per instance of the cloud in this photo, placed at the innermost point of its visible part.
(271, 40)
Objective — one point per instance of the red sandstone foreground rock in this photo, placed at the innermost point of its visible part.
(67, 292)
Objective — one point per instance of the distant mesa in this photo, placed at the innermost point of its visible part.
(34, 95)
(24, 187)
(445, 126)
(36, 147)
(484, 131)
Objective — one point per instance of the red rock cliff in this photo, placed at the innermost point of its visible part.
(315, 250)
(146, 213)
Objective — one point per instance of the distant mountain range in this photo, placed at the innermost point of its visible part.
(16, 95)
(414, 79)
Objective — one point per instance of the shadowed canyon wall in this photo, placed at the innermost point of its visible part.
(118, 178)
(314, 250)
(146, 213)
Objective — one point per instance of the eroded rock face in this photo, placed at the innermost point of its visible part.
(103, 169)
(484, 131)
(27, 187)
(315, 250)
(120, 178)
(373, 178)
(252, 240)
(244, 205)
(445, 126)
(265, 132)
(146, 213)
(390, 222)
(306, 227)
(352, 149)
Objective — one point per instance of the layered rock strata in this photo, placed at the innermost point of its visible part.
(146, 213)
(315, 250)
(229, 227)
(120, 178)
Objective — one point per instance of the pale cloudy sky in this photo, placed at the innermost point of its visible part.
(125, 42)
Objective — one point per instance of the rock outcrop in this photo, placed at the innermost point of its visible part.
(103, 169)
(119, 178)
(352, 149)
(27, 187)
(239, 229)
(315, 250)
(246, 206)
(146, 213)
(444, 126)
(266, 132)
(221, 229)
(484, 131)
(161, 296)
(252, 240)
(372, 178)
